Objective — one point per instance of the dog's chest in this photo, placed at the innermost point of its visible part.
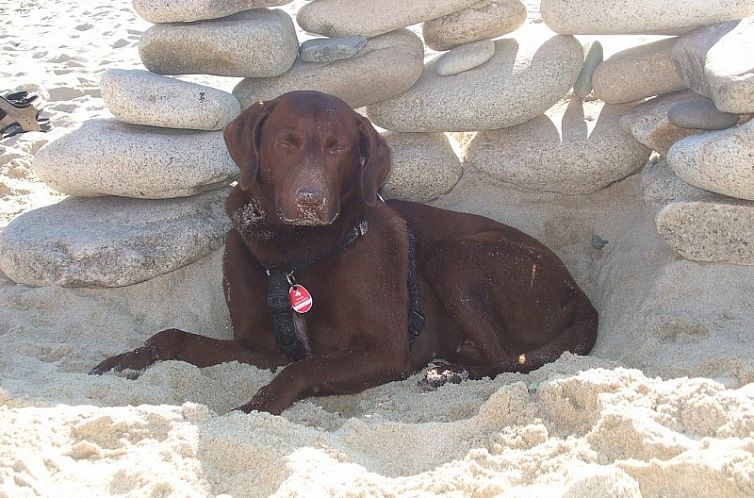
(300, 328)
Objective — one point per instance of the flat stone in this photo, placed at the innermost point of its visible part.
(166, 11)
(718, 161)
(701, 114)
(720, 231)
(482, 21)
(107, 157)
(605, 17)
(111, 241)
(638, 73)
(649, 124)
(465, 57)
(579, 151)
(371, 17)
(331, 49)
(424, 166)
(254, 43)
(690, 54)
(521, 81)
(594, 57)
(389, 65)
(141, 97)
(730, 72)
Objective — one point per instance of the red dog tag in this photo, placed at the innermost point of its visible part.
(301, 300)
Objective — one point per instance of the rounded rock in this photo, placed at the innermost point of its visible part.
(145, 98)
(701, 114)
(371, 17)
(482, 21)
(255, 43)
(594, 57)
(521, 81)
(730, 73)
(111, 241)
(465, 57)
(580, 151)
(107, 157)
(167, 11)
(424, 166)
(389, 65)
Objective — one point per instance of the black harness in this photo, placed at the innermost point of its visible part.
(282, 279)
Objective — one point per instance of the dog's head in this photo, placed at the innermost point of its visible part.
(307, 153)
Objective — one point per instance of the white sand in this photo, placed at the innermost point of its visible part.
(579, 427)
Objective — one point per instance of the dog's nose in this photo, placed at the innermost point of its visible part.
(310, 196)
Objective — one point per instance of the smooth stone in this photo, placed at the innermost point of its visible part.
(482, 21)
(660, 186)
(424, 166)
(465, 57)
(111, 241)
(389, 65)
(166, 11)
(701, 114)
(370, 18)
(578, 151)
(637, 73)
(107, 157)
(730, 71)
(520, 82)
(255, 43)
(141, 97)
(649, 124)
(690, 54)
(719, 231)
(331, 49)
(604, 17)
(718, 161)
(594, 57)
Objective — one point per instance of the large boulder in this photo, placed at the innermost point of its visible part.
(579, 151)
(145, 98)
(254, 43)
(371, 17)
(166, 11)
(521, 81)
(112, 241)
(482, 21)
(605, 17)
(387, 66)
(106, 157)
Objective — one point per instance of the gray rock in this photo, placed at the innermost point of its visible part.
(166, 11)
(465, 57)
(331, 49)
(603, 17)
(482, 21)
(649, 124)
(718, 161)
(520, 82)
(111, 242)
(255, 43)
(145, 98)
(690, 54)
(594, 57)
(389, 65)
(660, 187)
(729, 69)
(638, 73)
(424, 166)
(701, 114)
(579, 151)
(720, 231)
(106, 157)
(371, 17)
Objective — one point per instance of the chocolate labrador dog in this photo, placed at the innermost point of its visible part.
(348, 292)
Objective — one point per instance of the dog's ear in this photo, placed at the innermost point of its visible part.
(375, 156)
(242, 136)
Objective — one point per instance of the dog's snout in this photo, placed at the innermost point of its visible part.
(310, 196)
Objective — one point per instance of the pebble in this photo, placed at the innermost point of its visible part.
(465, 57)
(331, 49)
(594, 57)
(701, 114)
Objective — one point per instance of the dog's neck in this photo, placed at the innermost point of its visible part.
(278, 244)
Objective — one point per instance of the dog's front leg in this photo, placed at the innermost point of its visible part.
(346, 373)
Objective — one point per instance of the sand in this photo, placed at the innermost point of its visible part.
(663, 407)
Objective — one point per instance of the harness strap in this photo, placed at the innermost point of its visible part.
(415, 316)
(282, 315)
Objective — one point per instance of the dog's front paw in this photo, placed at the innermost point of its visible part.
(444, 374)
(135, 361)
(267, 399)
